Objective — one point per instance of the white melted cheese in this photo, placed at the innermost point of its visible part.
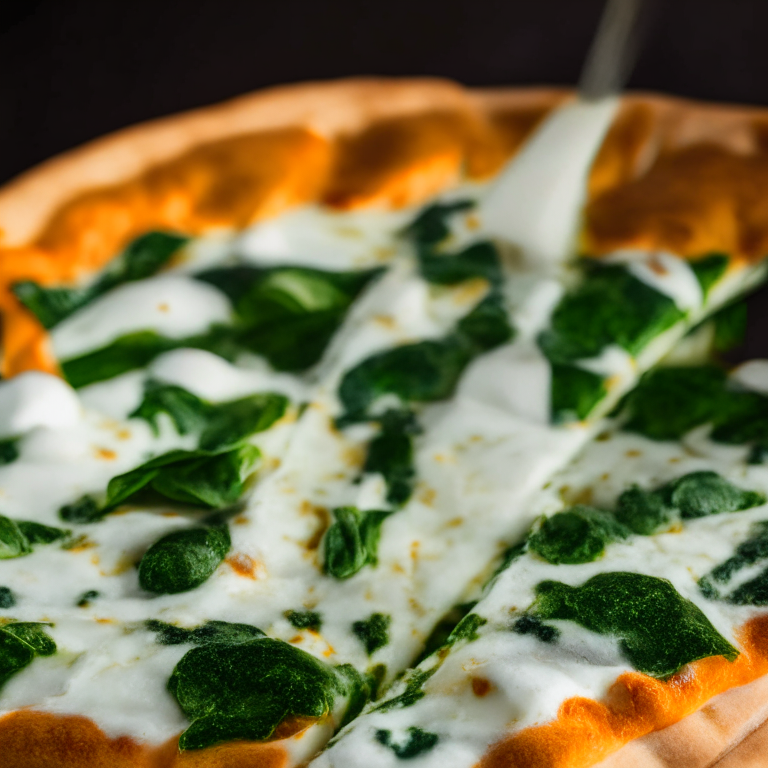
(171, 305)
(529, 679)
(536, 201)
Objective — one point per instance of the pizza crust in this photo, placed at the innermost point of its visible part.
(326, 142)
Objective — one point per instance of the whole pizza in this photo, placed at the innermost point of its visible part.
(376, 422)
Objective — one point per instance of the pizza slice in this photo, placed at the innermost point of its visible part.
(298, 440)
(633, 601)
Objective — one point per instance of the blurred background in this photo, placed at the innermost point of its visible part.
(72, 71)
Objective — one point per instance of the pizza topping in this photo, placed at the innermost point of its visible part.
(141, 259)
(305, 620)
(20, 643)
(7, 598)
(749, 553)
(466, 629)
(288, 314)
(418, 742)
(373, 632)
(575, 393)
(659, 631)
(390, 454)
(210, 632)
(245, 688)
(670, 402)
(609, 306)
(578, 535)
(183, 560)
(427, 370)
(17, 537)
(351, 542)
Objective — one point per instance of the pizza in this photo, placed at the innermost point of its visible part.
(377, 420)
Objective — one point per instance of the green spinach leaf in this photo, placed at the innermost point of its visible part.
(609, 306)
(210, 632)
(709, 269)
(659, 631)
(578, 535)
(183, 560)
(7, 598)
(352, 540)
(305, 619)
(430, 227)
(245, 690)
(20, 643)
(417, 743)
(373, 632)
(390, 454)
(574, 393)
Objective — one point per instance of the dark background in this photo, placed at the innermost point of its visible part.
(72, 71)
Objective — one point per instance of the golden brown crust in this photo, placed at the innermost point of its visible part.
(31, 739)
(587, 731)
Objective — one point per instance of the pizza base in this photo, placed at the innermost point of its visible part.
(335, 129)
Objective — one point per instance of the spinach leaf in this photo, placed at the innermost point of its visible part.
(418, 742)
(709, 269)
(442, 631)
(390, 454)
(430, 227)
(305, 619)
(574, 393)
(477, 260)
(20, 643)
(352, 540)
(730, 326)
(9, 450)
(245, 690)
(486, 326)
(13, 543)
(751, 592)
(190, 477)
(183, 560)
(86, 598)
(414, 690)
(289, 314)
(466, 629)
(421, 372)
(7, 598)
(37, 533)
(578, 535)
(659, 631)
(609, 306)
(643, 512)
(18, 536)
(209, 632)
(134, 350)
(187, 411)
(529, 624)
(425, 371)
(141, 259)
(222, 426)
(373, 632)
(232, 422)
(669, 402)
(697, 494)
(85, 510)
